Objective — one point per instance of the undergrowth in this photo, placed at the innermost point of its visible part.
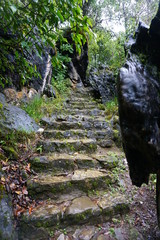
(111, 107)
(41, 106)
(12, 142)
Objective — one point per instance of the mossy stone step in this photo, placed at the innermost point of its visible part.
(63, 163)
(81, 106)
(90, 112)
(86, 125)
(45, 219)
(81, 101)
(68, 145)
(45, 186)
(78, 133)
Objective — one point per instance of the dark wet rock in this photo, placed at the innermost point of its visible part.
(14, 118)
(42, 62)
(106, 143)
(78, 66)
(139, 101)
(138, 93)
(103, 83)
(49, 91)
(32, 233)
(7, 228)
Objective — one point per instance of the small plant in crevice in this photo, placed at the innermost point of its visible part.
(111, 107)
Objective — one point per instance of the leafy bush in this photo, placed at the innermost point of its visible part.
(27, 25)
(107, 49)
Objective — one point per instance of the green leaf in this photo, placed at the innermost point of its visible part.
(60, 16)
(13, 8)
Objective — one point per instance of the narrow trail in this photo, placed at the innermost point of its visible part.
(80, 176)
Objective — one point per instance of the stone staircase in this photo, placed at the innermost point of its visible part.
(74, 176)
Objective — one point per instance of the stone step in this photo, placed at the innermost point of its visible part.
(82, 101)
(44, 186)
(78, 133)
(80, 106)
(72, 118)
(46, 218)
(68, 145)
(90, 112)
(68, 125)
(64, 163)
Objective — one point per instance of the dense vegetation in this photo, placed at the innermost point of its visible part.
(27, 26)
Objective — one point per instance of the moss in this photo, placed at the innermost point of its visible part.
(121, 208)
(10, 152)
(59, 135)
(2, 156)
(117, 138)
(37, 160)
(1, 191)
(92, 147)
(143, 58)
(101, 106)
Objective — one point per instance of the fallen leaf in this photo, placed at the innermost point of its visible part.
(30, 210)
(3, 179)
(12, 186)
(18, 192)
(24, 190)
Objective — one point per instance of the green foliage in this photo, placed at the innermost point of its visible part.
(105, 49)
(27, 25)
(59, 63)
(40, 107)
(61, 84)
(10, 140)
(111, 107)
(94, 10)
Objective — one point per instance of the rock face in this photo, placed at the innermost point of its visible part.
(14, 118)
(139, 101)
(7, 229)
(44, 68)
(103, 83)
(78, 66)
(41, 61)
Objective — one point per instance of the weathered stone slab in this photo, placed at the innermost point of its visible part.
(48, 186)
(63, 162)
(69, 145)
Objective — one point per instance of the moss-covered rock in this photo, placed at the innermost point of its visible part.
(11, 153)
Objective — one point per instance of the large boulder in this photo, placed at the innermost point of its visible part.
(139, 101)
(103, 83)
(14, 118)
(7, 223)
